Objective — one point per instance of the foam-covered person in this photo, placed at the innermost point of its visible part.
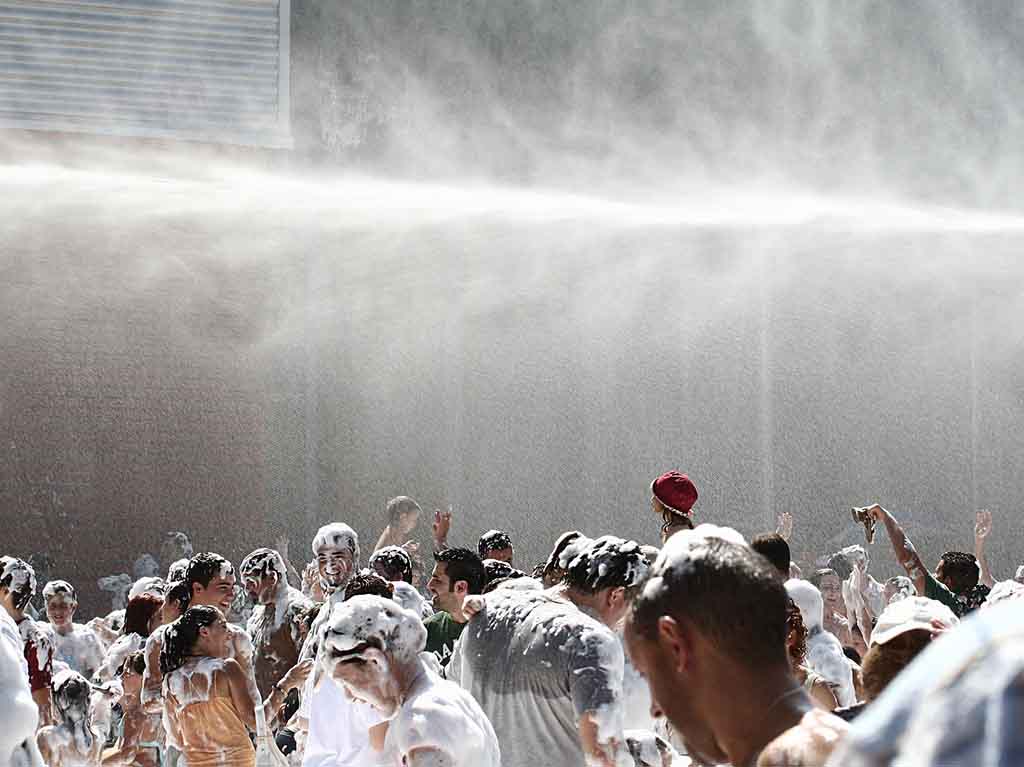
(395, 565)
(402, 514)
(18, 711)
(75, 645)
(372, 647)
(17, 587)
(337, 556)
(724, 682)
(140, 741)
(141, 617)
(275, 625)
(72, 741)
(496, 544)
(547, 667)
(825, 656)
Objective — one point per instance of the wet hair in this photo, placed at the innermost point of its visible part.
(177, 570)
(18, 577)
(462, 565)
(59, 588)
(392, 563)
(564, 541)
(179, 593)
(203, 568)
(607, 563)
(819, 575)
(70, 691)
(135, 662)
(400, 506)
(261, 563)
(181, 636)
(775, 549)
(495, 568)
(369, 582)
(884, 662)
(851, 652)
(961, 570)
(493, 540)
(795, 626)
(139, 613)
(840, 564)
(729, 593)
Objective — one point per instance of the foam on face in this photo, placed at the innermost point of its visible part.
(371, 619)
(18, 576)
(336, 537)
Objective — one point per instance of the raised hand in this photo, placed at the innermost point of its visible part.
(442, 525)
(784, 527)
(982, 525)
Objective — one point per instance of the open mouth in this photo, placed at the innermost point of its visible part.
(355, 654)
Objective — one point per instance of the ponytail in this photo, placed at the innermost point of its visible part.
(180, 637)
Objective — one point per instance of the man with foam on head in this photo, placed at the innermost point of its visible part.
(275, 626)
(547, 666)
(395, 565)
(17, 587)
(496, 544)
(337, 555)
(372, 647)
(75, 645)
(19, 714)
(708, 632)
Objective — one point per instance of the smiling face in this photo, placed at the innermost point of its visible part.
(61, 611)
(214, 640)
(335, 567)
(832, 594)
(219, 592)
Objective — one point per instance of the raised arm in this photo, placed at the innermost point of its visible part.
(982, 527)
(902, 547)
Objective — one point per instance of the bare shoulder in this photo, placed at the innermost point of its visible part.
(808, 744)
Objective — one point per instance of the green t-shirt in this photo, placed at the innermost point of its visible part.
(442, 633)
(935, 590)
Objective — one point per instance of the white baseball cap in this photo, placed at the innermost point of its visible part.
(912, 614)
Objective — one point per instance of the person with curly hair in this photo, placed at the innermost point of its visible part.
(796, 646)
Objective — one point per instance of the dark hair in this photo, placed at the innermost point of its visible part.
(851, 652)
(774, 548)
(393, 563)
(69, 689)
(563, 542)
(884, 661)
(493, 540)
(607, 563)
(136, 662)
(400, 506)
(181, 636)
(795, 626)
(140, 612)
(179, 593)
(27, 586)
(961, 569)
(820, 574)
(462, 565)
(730, 594)
(369, 582)
(495, 568)
(203, 568)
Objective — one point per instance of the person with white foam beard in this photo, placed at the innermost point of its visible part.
(373, 647)
(337, 728)
(824, 652)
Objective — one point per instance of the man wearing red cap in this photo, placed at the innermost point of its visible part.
(672, 496)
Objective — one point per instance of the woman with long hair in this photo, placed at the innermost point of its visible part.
(796, 646)
(141, 616)
(209, 701)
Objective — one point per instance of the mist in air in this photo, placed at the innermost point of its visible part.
(522, 258)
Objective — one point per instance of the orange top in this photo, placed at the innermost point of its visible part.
(213, 736)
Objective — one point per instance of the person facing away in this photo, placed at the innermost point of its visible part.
(72, 741)
(457, 574)
(547, 667)
(708, 632)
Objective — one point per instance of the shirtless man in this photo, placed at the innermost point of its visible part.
(725, 684)
(72, 741)
(372, 647)
(276, 623)
(17, 586)
(211, 581)
(75, 645)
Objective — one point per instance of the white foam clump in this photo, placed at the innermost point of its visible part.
(1004, 591)
(368, 618)
(21, 574)
(824, 651)
(573, 550)
(193, 682)
(412, 600)
(334, 537)
(153, 585)
(18, 712)
(684, 548)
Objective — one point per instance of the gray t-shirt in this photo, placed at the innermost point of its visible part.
(536, 663)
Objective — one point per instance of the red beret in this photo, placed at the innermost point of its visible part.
(675, 492)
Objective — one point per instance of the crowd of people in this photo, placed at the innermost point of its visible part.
(713, 649)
